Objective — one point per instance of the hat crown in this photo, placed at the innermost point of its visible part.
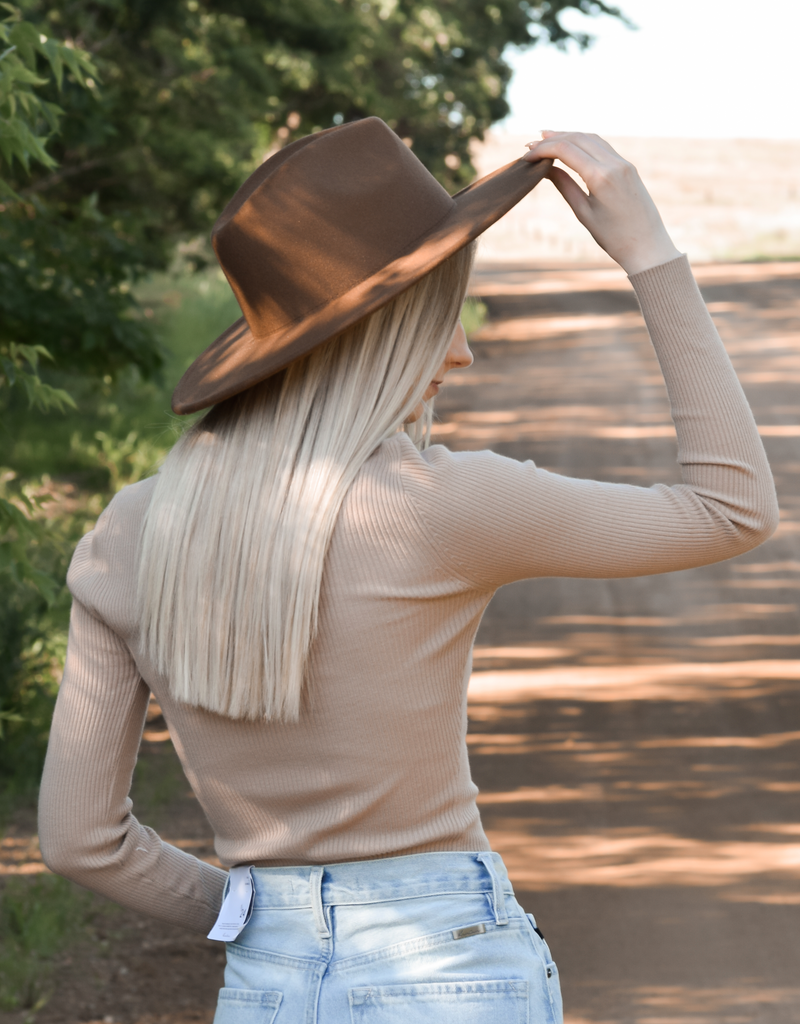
(325, 232)
(322, 216)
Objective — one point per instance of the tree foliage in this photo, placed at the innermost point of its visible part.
(66, 279)
(65, 272)
(26, 121)
(22, 110)
(196, 92)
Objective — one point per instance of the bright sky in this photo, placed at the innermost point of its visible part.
(694, 69)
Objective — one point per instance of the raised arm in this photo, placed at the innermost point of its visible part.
(496, 520)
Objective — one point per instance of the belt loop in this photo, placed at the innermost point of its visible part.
(315, 884)
(498, 899)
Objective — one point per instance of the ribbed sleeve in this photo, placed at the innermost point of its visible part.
(496, 520)
(86, 827)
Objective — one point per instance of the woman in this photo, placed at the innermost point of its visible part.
(301, 584)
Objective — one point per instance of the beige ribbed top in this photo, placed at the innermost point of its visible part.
(377, 765)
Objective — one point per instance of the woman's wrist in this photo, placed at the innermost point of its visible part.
(646, 258)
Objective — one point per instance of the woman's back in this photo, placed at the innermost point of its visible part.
(377, 765)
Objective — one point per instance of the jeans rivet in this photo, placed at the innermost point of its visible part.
(549, 972)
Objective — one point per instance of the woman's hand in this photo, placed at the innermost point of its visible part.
(618, 211)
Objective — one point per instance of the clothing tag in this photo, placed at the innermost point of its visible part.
(237, 906)
(465, 933)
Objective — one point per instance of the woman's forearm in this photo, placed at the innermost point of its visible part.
(720, 451)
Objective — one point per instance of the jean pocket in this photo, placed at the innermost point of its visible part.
(246, 1006)
(456, 1002)
(539, 943)
(554, 990)
(550, 970)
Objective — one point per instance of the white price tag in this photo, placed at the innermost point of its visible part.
(236, 908)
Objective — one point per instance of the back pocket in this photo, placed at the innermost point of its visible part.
(246, 1006)
(455, 1002)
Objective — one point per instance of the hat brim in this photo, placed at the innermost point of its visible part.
(238, 359)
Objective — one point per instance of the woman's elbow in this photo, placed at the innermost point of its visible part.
(771, 524)
(760, 526)
(738, 526)
(70, 852)
(62, 856)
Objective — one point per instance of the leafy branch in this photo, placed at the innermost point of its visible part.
(18, 530)
(13, 359)
(27, 121)
(23, 115)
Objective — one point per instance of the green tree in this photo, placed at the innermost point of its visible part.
(27, 122)
(29, 62)
(65, 272)
(434, 72)
(23, 112)
(196, 92)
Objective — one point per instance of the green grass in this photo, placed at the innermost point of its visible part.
(40, 918)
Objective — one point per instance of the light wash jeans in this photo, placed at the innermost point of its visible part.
(431, 938)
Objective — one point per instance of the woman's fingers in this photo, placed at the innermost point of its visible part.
(568, 151)
(593, 145)
(606, 146)
(573, 193)
(597, 146)
(588, 155)
(618, 211)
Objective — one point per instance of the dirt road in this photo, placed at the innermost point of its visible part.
(635, 741)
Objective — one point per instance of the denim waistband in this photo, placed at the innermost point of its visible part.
(379, 881)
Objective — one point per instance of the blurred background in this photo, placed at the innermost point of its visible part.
(635, 742)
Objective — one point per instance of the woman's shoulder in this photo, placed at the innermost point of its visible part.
(443, 484)
(103, 571)
(438, 469)
(472, 505)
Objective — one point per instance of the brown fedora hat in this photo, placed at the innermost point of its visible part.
(325, 232)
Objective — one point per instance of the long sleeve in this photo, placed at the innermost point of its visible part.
(495, 520)
(86, 829)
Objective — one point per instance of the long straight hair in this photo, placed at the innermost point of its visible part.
(242, 513)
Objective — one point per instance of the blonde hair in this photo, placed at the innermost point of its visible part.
(243, 510)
